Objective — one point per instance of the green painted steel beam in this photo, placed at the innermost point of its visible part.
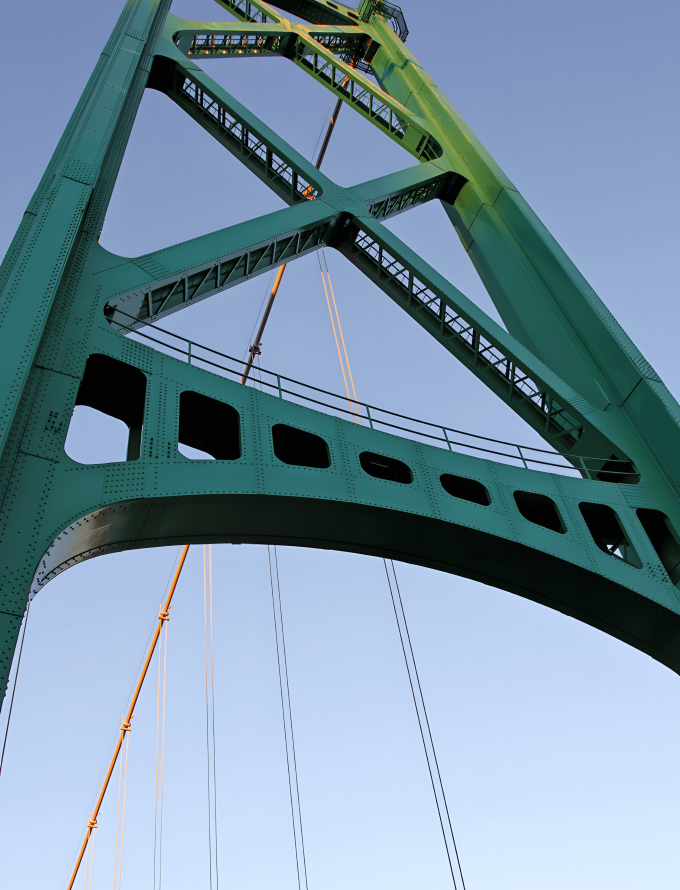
(602, 546)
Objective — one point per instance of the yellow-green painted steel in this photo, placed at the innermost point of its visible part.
(563, 364)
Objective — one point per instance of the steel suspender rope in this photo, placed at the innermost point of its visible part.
(353, 403)
(120, 816)
(126, 723)
(14, 688)
(286, 709)
(296, 812)
(164, 613)
(409, 659)
(287, 715)
(425, 731)
(158, 813)
(210, 713)
(254, 349)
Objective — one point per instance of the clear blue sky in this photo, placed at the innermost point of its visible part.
(556, 742)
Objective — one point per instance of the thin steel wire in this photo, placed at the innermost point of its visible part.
(337, 345)
(214, 747)
(207, 715)
(158, 717)
(283, 675)
(115, 855)
(401, 637)
(160, 838)
(122, 825)
(94, 837)
(153, 626)
(210, 713)
(342, 337)
(14, 687)
(323, 127)
(424, 729)
(290, 713)
(87, 853)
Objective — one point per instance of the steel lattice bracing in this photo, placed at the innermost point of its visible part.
(605, 552)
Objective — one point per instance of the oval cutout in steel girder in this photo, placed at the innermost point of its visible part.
(539, 509)
(298, 448)
(388, 468)
(465, 489)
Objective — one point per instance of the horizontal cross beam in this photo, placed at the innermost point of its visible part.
(319, 60)
(288, 174)
(513, 374)
(191, 285)
(341, 502)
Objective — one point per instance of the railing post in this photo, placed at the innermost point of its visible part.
(368, 414)
(278, 383)
(584, 468)
(189, 351)
(526, 466)
(447, 438)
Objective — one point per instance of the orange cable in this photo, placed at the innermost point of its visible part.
(337, 345)
(337, 315)
(163, 617)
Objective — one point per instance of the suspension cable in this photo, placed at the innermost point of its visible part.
(122, 821)
(259, 312)
(14, 687)
(115, 854)
(342, 336)
(160, 731)
(126, 725)
(337, 345)
(207, 713)
(160, 833)
(210, 713)
(353, 404)
(316, 145)
(290, 712)
(255, 348)
(158, 715)
(86, 855)
(94, 838)
(409, 659)
(287, 715)
(212, 690)
(425, 731)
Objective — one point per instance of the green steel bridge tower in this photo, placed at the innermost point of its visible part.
(599, 543)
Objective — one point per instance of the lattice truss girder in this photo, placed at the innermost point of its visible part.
(581, 341)
(470, 335)
(564, 365)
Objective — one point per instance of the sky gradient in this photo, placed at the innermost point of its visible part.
(555, 741)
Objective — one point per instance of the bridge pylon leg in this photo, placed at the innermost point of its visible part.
(601, 544)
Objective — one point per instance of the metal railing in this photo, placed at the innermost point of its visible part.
(528, 456)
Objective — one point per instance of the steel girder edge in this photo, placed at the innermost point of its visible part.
(432, 543)
(9, 631)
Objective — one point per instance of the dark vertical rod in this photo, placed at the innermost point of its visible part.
(255, 348)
